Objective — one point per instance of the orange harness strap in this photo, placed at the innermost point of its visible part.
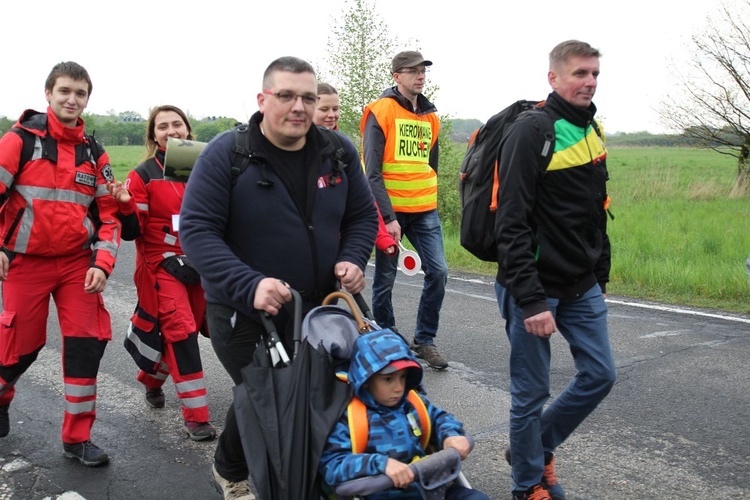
(359, 426)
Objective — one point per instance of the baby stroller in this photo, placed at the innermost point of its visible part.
(285, 407)
(337, 328)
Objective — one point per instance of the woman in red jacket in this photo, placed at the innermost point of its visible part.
(170, 297)
(327, 114)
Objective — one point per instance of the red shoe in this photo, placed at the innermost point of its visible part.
(536, 492)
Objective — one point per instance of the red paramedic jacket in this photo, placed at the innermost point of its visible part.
(57, 208)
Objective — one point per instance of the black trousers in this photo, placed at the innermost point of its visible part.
(234, 337)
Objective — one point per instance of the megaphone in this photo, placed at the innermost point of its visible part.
(180, 158)
(408, 261)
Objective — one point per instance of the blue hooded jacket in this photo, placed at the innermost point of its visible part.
(390, 433)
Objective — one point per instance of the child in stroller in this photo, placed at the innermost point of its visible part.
(382, 372)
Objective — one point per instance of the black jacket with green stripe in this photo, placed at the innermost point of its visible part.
(551, 225)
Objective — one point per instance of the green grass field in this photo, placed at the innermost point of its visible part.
(680, 234)
(124, 159)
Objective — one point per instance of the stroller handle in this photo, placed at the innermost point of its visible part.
(362, 325)
(362, 303)
(446, 461)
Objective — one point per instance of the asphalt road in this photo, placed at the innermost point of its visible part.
(673, 427)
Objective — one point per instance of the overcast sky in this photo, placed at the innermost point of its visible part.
(208, 57)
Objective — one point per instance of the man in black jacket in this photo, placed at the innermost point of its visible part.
(291, 218)
(553, 266)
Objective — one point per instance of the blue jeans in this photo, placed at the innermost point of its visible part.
(582, 321)
(424, 232)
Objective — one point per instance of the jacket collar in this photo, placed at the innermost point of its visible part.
(63, 133)
(577, 116)
(423, 104)
(43, 124)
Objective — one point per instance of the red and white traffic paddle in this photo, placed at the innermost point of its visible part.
(408, 261)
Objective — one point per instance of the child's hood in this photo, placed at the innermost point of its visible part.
(374, 351)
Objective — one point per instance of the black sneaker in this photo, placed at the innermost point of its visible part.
(200, 431)
(4, 421)
(429, 353)
(155, 398)
(87, 453)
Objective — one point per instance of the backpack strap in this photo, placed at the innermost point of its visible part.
(241, 150)
(89, 149)
(359, 425)
(149, 170)
(547, 149)
(595, 126)
(242, 155)
(339, 154)
(424, 417)
(548, 132)
(47, 144)
(48, 150)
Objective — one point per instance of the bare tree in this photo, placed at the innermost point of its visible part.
(714, 108)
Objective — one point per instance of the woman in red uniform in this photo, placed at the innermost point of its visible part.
(170, 297)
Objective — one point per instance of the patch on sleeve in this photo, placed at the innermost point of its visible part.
(85, 179)
(107, 173)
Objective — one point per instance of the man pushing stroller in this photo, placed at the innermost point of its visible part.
(383, 373)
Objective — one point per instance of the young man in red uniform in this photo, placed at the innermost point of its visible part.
(59, 236)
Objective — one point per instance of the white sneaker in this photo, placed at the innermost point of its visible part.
(230, 490)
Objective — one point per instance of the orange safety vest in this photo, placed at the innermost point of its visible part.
(409, 180)
(359, 425)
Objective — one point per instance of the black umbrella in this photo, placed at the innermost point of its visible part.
(285, 414)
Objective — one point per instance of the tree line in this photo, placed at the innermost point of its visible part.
(129, 128)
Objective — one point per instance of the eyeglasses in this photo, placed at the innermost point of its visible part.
(289, 97)
(410, 71)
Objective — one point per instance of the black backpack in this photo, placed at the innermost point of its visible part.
(242, 154)
(478, 182)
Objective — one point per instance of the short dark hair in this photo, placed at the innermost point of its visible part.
(571, 48)
(151, 144)
(326, 89)
(71, 70)
(286, 63)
